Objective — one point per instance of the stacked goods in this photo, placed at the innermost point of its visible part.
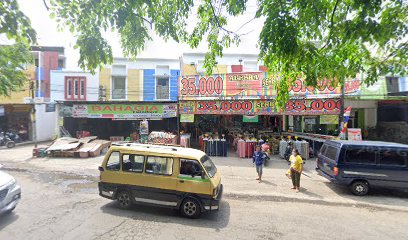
(162, 138)
(73, 147)
(282, 148)
(303, 148)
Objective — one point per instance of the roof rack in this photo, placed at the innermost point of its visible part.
(149, 145)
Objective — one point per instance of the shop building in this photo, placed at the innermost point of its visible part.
(114, 101)
(28, 111)
(240, 100)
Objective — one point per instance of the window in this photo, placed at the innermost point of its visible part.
(69, 89)
(118, 87)
(132, 163)
(113, 163)
(162, 88)
(323, 149)
(159, 165)
(61, 63)
(331, 153)
(75, 88)
(360, 156)
(190, 168)
(208, 165)
(393, 158)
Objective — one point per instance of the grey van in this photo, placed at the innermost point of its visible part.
(362, 165)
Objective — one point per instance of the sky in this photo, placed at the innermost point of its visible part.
(48, 35)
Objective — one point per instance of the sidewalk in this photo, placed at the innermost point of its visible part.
(238, 177)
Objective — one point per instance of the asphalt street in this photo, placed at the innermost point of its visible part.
(67, 206)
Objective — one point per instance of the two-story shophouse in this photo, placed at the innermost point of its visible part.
(239, 97)
(113, 101)
(29, 111)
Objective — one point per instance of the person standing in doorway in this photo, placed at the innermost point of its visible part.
(296, 168)
(259, 159)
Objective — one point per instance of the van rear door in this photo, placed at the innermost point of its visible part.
(327, 159)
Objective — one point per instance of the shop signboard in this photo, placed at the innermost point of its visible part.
(262, 107)
(354, 134)
(187, 118)
(65, 111)
(50, 107)
(255, 85)
(125, 111)
(246, 118)
(329, 119)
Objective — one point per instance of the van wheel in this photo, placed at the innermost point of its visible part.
(359, 188)
(190, 208)
(124, 199)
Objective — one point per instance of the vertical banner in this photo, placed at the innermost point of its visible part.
(346, 118)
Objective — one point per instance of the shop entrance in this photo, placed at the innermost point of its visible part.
(15, 118)
(104, 128)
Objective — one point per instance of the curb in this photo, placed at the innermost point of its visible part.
(326, 202)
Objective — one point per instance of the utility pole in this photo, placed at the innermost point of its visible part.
(341, 115)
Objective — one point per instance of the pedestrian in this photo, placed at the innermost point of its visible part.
(259, 159)
(296, 168)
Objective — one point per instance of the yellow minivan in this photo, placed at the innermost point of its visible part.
(181, 178)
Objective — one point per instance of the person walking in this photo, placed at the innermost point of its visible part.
(259, 159)
(296, 168)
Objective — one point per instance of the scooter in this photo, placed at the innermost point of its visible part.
(13, 135)
(6, 141)
(288, 150)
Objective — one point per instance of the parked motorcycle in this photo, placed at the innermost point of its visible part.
(13, 135)
(6, 141)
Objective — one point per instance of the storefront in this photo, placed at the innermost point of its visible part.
(243, 104)
(17, 119)
(107, 120)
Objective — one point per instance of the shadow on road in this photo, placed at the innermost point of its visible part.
(216, 220)
(391, 197)
(6, 219)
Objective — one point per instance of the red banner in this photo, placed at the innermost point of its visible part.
(261, 107)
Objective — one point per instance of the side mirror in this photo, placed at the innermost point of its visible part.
(203, 175)
(100, 168)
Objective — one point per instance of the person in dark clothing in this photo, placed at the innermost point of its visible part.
(259, 159)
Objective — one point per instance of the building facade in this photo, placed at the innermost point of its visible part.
(29, 111)
(113, 102)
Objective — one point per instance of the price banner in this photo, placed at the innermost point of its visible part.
(261, 107)
(205, 86)
(313, 107)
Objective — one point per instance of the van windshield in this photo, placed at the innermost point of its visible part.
(209, 166)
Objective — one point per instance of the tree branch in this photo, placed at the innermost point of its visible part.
(331, 23)
(46, 5)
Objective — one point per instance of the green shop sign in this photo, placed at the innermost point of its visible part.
(124, 111)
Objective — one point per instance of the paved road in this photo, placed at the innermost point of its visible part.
(63, 206)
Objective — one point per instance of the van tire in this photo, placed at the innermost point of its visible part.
(190, 208)
(359, 188)
(124, 199)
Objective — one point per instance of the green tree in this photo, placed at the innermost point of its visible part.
(319, 39)
(14, 58)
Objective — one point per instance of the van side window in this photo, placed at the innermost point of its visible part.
(360, 156)
(190, 168)
(159, 165)
(331, 152)
(323, 149)
(113, 163)
(393, 158)
(132, 163)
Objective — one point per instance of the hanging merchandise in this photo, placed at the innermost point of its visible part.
(354, 134)
(144, 127)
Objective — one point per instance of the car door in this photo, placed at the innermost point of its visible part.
(392, 164)
(190, 179)
(159, 182)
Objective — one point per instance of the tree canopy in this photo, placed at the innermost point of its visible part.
(319, 39)
(14, 58)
